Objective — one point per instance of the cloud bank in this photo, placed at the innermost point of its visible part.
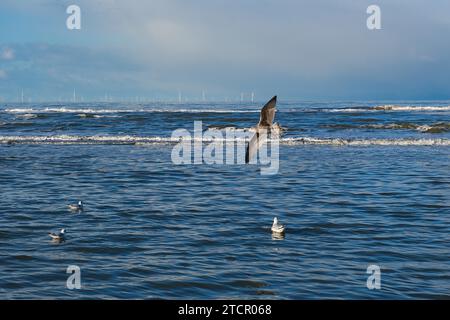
(298, 49)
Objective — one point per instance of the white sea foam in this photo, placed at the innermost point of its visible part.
(26, 116)
(19, 110)
(366, 142)
(350, 110)
(437, 127)
(97, 111)
(389, 108)
(300, 108)
(127, 139)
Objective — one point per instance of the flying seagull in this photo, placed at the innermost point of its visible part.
(264, 127)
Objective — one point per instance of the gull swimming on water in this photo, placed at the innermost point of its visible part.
(276, 227)
(264, 127)
(58, 236)
(76, 207)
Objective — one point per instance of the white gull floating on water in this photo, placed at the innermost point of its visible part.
(58, 236)
(76, 207)
(276, 227)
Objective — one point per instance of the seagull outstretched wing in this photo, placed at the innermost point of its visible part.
(265, 121)
(252, 147)
(268, 113)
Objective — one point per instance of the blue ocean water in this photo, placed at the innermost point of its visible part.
(359, 183)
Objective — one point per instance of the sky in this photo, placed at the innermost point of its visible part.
(159, 49)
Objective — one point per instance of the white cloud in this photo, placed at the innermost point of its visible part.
(297, 47)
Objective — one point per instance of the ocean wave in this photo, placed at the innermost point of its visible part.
(142, 110)
(126, 139)
(349, 110)
(435, 128)
(96, 116)
(26, 116)
(388, 108)
(365, 142)
(299, 108)
(438, 127)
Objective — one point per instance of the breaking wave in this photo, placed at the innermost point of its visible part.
(438, 127)
(126, 139)
(299, 108)
(365, 142)
(118, 110)
(390, 107)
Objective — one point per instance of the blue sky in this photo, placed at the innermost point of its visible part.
(313, 49)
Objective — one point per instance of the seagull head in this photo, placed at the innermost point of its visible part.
(63, 231)
(80, 203)
(275, 221)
